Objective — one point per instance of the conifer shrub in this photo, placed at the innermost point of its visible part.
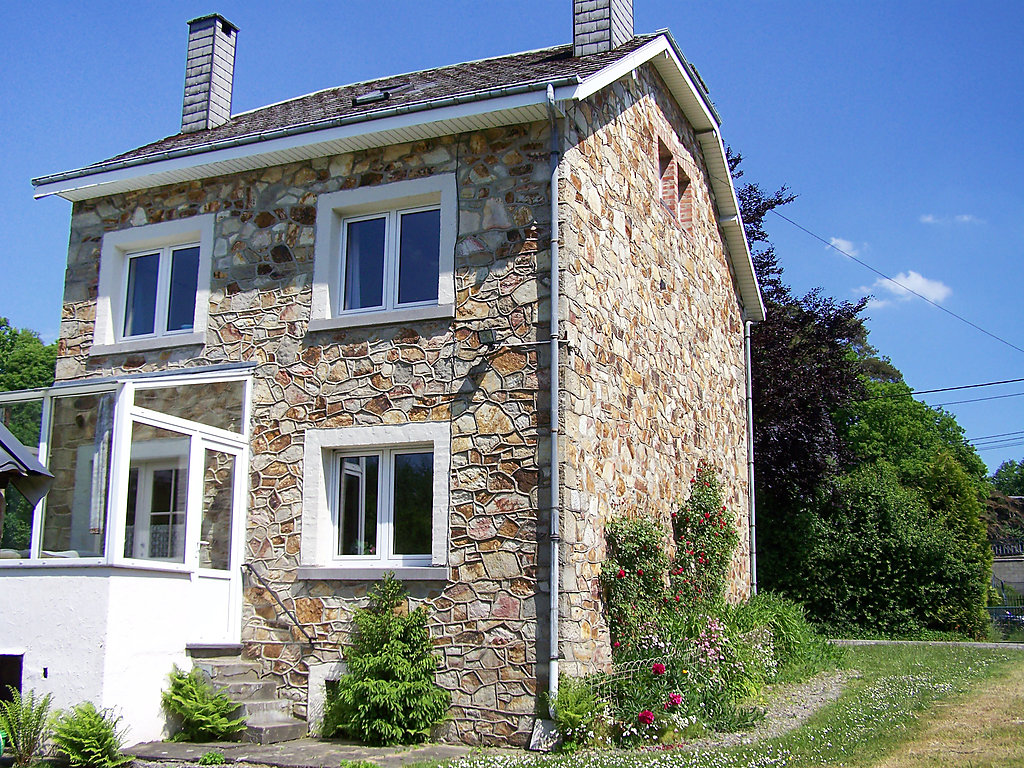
(25, 721)
(89, 738)
(202, 713)
(389, 694)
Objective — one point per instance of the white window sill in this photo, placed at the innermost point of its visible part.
(382, 317)
(372, 573)
(72, 563)
(142, 345)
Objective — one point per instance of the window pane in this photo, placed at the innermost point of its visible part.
(75, 515)
(157, 495)
(418, 258)
(364, 263)
(414, 501)
(181, 305)
(357, 505)
(215, 404)
(140, 307)
(23, 420)
(218, 493)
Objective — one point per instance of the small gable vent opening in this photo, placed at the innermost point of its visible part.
(10, 674)
(674, 187)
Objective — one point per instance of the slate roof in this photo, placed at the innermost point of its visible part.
(412, 91)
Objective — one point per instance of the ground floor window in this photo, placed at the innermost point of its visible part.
(385, 503)
(376, 496)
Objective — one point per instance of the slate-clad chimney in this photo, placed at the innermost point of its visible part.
(209, 70)
(600, 25)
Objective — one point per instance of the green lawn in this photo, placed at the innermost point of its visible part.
(883, 709)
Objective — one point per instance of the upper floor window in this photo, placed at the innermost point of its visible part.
(160, 296)
(385, 254)
(154, 286)
(391, 259)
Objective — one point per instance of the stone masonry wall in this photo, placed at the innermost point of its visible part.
(481, 373)
(655, 374)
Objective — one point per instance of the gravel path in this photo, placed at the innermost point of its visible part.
(786, 707)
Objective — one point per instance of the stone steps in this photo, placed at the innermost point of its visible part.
(268, 719)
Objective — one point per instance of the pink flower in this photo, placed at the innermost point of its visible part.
(646, 717)
(675, 699)
(616, 644)
(622, 573)
(640, 572)
(658, 668)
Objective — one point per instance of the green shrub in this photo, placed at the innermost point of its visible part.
(389, 695)
(212, 758)
(25, 720)
(578, 713)
(89, 738)
(203, 714)
(799, 650)
(634, 576)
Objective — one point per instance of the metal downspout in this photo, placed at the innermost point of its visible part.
(556, 535)
(752, 522)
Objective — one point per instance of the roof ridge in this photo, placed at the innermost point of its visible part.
(402, 74)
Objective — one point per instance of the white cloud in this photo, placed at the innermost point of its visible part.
(960, 218)
(846, 246)
(900, 287)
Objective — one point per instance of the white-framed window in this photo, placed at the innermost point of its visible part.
(374, 499)
(385, 254)
(154, 286)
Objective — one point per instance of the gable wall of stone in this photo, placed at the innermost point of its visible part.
(479, 373)
(654, 379)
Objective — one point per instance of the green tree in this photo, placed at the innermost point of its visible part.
(25, 362)
(1009, 478)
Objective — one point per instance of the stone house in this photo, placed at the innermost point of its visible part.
(444, 324)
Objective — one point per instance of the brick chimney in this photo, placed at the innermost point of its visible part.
(600, 25)
(209, 70)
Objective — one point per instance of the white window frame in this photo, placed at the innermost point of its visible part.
(323, 451)
(385, 504)
(199, 438)
(336, 209)
(161, 309)
(115, 253)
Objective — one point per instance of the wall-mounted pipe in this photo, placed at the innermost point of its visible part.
(556, 530)
(751, 506)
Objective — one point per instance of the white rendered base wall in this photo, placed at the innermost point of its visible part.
(105, 635)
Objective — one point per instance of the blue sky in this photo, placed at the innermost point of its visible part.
(897, 124)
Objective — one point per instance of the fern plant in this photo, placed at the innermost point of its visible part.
(89, 738)
(389, 695)
(204, 714)
(25, 720)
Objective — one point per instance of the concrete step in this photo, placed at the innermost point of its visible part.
(275, 731)
(248, 690)
(266, 710)
(228, 670)
(213, 650)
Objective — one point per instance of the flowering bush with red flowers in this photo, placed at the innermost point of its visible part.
(634, 577)
(706, 535)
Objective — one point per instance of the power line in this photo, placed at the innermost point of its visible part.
(978, 399)
(999, 447)
(908, 289)
(941, 389)
(1001, 434)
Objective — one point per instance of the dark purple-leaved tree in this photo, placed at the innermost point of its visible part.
(807, 359)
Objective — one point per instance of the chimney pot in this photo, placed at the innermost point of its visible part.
(209, 72)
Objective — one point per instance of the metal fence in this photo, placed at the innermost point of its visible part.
(1008, 548)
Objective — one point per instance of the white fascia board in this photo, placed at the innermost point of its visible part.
(519, 107)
